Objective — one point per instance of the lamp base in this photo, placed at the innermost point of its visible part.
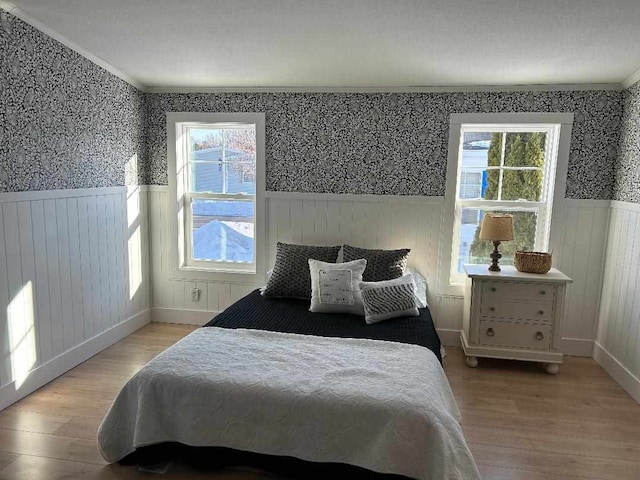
(495, 257)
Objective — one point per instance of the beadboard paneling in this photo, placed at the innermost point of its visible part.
(302, 218)
(370, 223)
(581, 257)
(66, 260)
(387, 222)
(618, 339)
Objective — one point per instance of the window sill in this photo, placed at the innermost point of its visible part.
(195, 274)
(451, 290)
(190, 268)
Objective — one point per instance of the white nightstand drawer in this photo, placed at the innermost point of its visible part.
(518, 335)
(534, 292)
(542, 312)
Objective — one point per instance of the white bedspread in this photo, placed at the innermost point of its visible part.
(381, 405)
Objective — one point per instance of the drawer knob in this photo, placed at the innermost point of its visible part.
(539, 336)
(543, 292)
(493, 289)
(490, 332)
(492, 309)
(540, 312)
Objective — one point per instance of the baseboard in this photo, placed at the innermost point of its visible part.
(618, 371)
(71, 358)
(577, 347)
(184, 317)
(448, 337)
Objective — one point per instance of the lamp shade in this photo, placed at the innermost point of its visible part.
(497, 227)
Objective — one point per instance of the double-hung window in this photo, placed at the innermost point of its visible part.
(509, 167)
(218, 169)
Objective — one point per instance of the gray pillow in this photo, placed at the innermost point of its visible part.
(381, 264)
(389, 299)
(291, 277)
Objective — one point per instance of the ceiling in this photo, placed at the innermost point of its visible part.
(352, 43)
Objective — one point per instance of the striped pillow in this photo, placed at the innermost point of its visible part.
(389, 299)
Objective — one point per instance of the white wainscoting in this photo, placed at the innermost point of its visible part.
(75, 271)
(363, 220)
(73, 280)
(618, 341)
(378, 221)
(581, 256)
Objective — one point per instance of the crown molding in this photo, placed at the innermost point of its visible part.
(391, 89)
(631, 80)
(25, 17)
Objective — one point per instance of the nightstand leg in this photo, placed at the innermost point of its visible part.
(472, 362)
(552, 368)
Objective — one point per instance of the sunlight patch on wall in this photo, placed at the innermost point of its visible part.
(131, 171)
(133, 207)
(22, 339)
(135, 242)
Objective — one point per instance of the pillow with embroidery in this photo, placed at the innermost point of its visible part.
(335, 287)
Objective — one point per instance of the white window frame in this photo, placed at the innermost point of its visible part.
(551, 211)
(182, 266)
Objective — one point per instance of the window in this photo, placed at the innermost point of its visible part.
(506, 167)
(218, 166)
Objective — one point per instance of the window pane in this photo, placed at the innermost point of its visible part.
(241, 177)
(475, 148)
(471, 182)
(205, 138)
(524, 149)
(522, 185)
(479, 150)
(473, 250)
(223, 160)
(207, 177)
(476, 140)
(240, 152)
(223, 177)
(477, 184)
(223, 231)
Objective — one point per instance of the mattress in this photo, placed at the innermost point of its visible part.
(293, 316)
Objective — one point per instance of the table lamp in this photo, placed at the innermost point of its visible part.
(496, 227)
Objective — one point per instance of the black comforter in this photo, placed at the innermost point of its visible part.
(293, 316)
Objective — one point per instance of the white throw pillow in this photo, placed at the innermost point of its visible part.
(335, 286)
(389, 299)
(421, 287)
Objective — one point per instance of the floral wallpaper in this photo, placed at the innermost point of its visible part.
(68, 123)
(65, 122)
(627, 187)
(390, 143)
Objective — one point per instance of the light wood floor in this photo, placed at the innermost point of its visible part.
(520, 423)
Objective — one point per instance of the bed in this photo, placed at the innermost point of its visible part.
(269, 383)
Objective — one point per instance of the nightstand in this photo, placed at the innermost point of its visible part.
(513, 315)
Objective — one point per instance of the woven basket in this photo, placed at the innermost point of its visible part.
(532, 262)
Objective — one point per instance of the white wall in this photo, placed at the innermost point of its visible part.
(581, 256)
(73, 280)
(386, 222)
(618, 341)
